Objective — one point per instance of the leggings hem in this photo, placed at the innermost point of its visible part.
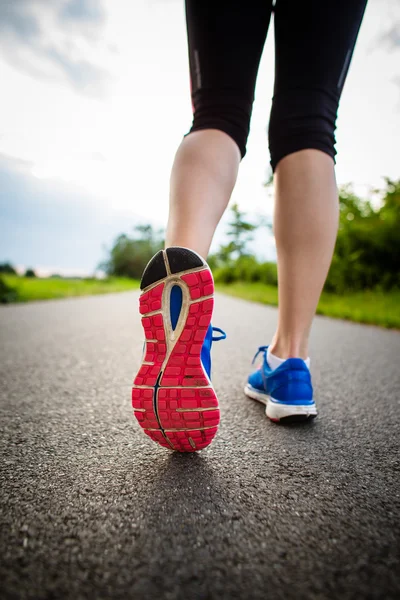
(225, 128)
(306, 145)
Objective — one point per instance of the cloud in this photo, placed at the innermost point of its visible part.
(82, 10)
(391, 37)
(53, 223)
(391, 40)
(387, 11)
(13, 163)
(51, 40)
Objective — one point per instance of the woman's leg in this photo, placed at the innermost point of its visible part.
(173, 396)
(314, 44)
(305, 225)
(225, 40)
(202, 180)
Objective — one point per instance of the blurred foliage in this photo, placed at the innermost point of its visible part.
(375, 307)
(30, 273)
(234, 262)
(240, 232)
(7, 268)
(130, 254)
(247, 268)
(367, 251)
(7, 292)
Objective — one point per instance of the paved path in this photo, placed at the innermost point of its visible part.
(93, 509)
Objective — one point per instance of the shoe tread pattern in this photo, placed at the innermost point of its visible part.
(175, 402)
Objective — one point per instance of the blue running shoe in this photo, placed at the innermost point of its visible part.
(172, 396)
(286, 391)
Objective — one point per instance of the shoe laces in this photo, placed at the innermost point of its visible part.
(261, 350)
(221, 337)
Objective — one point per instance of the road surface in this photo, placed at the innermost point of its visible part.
(91, 508)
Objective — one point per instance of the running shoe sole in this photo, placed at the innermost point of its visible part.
(172, 397)
(279, 412)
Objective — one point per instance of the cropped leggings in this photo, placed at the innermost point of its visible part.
(314, 43)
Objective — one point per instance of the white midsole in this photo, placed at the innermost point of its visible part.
(275, 410)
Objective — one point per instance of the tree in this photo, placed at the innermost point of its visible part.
(367, 252)
(240, 230)
(129, 255)
(8, 269)
(30, 273)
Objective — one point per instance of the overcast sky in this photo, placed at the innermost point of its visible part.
(95, 100)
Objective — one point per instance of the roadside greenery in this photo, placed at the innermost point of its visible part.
(363, 283)
(367, 252)
(8, 293)
(7, 269)
(373, 307)
(130, 254)
(24, 289)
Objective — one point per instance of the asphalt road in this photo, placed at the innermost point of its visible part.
(91, 508)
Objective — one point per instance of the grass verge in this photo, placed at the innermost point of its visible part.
(26, 289)
(371, 307)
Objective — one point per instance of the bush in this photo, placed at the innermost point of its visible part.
(8, 269)
(367, 252)
(267, 273)
(7, 293)
(224, 275)
(247, 268)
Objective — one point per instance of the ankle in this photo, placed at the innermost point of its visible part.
(289, 348)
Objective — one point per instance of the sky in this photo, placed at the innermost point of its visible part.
(95, 100)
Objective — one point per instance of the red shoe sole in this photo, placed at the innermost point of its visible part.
(172, 396)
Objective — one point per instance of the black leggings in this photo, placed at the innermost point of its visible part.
(314, 43)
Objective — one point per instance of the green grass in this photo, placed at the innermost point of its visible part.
(371, 307)
(28, 289)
